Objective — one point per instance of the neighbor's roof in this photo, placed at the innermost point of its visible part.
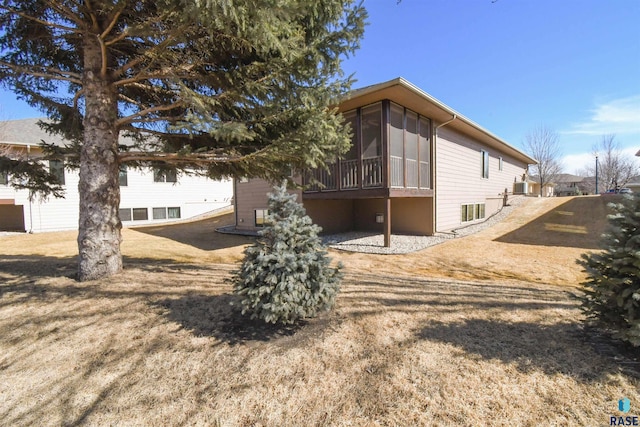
(638, 153)
(566, 178)
(403, 92)
(26, 132)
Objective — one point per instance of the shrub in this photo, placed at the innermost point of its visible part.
(612, 297)
(286, 275)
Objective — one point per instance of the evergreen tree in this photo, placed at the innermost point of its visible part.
(612, 297)
(224, 87)
(285, 275)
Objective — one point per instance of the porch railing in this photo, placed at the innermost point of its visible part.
(349, 171)
(322, 179)
(425, 175)
(412, 173)
(372, 172)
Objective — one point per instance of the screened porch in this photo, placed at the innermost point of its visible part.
(390, 149)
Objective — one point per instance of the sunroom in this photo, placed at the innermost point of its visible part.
(390, 159)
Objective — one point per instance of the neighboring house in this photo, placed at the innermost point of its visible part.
(146, 196)
(571, 185)
(533, 188)
(415, 166)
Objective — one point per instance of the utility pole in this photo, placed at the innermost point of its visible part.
(596, 173)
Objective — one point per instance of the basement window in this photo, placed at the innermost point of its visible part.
(164, 213)
(261, 217)
(472, 212)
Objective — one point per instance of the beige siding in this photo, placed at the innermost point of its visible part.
(459, 177)
(334, 216)
(250, 196)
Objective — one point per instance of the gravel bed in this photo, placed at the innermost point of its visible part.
(373, 243)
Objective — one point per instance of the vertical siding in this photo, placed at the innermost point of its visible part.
(459, 177)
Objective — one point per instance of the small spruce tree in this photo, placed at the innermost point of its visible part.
(286, 275)
(612, 297)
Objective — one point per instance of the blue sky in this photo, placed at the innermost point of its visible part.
(508, 65)
(511, 65)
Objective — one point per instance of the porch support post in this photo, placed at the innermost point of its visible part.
(387, 222)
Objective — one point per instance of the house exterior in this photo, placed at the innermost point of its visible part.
(532, 188)
(415, 167)
(146, 196)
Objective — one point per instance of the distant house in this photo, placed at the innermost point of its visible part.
(533, 188)
(147, 196)
(572, 185)
(415, 166)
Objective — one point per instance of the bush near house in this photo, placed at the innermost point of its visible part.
(286, 275)
(612, 298)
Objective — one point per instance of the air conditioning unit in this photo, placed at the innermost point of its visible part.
(519, 188)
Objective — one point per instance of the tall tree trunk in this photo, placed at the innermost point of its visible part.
(99, 228)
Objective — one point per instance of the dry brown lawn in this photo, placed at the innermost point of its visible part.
(482, 330)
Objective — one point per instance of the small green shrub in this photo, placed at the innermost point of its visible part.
(286, 275)
(612, 297)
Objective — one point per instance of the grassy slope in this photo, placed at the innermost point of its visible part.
(160, 344)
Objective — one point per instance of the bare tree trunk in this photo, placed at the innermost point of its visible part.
(99, 228)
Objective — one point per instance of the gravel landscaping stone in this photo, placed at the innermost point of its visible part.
(373, 243)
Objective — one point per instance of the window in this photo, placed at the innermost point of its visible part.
(396, 120)
(4, 178)
(125, 214)
(164, 213)
(122, 176)
(159, 213)
(485, 163)
(261, 217)
(371, 131)
(425, 136)
(56, 168)
(472, 212)
(165, 175)
(140, 214)
(499, 163)
(243, 180)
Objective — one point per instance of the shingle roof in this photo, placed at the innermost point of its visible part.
(27, 132)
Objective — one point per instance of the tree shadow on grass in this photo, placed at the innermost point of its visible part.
(220, 316)
(558, 348)
(578, 223)
(199, 234)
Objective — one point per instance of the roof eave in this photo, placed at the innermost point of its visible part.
(443, 113)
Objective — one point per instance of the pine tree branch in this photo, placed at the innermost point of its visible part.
(40, 21)
(67, 13)
(147, 111)
(134, 62)
(45, 72)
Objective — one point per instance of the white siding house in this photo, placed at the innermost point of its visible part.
(146, 197)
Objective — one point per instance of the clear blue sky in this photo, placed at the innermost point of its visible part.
(509, 65)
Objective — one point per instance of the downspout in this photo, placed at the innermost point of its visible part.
(435, 175)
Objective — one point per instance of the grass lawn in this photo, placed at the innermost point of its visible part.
(482, 330)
